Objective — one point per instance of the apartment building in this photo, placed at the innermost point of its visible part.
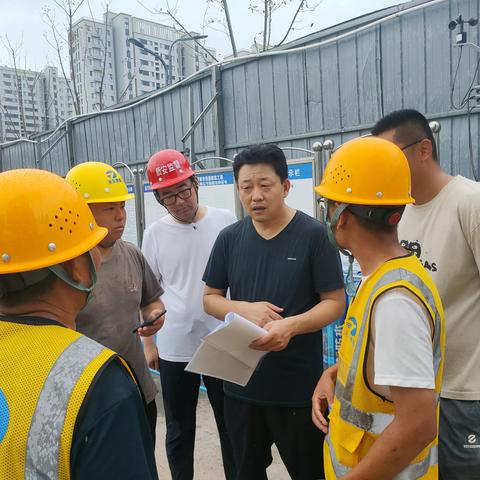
(104, 50)
(94, 64)
(31, 102)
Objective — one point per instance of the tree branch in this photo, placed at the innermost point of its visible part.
(177, 22)
(300, 6)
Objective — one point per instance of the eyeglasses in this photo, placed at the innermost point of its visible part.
(170, 200)
(411, 144)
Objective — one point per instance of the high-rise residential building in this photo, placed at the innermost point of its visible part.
(58, 102)
(31, 102)
(93, 64)
(102, 50)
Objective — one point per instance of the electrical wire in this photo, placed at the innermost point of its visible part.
(465, 98)
(452, 88)
(469, 90)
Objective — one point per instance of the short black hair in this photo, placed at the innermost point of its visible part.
(266, 153)
(377, 219)
(409, 125)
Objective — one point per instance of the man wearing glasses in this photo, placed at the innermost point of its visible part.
(177, 246)
(442, 228)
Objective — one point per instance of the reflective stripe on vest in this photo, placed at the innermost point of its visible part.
(44, 436)
(376, 422)
(414, 470)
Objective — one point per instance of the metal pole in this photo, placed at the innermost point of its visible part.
(181, 39)
(317, 174)
(137, 175)
(139, 204)
(220, 121)
(70, 151)
(192, 121)
(169, 82)
(38, 154)
(1, 159)
(436, 127)
(169, 74)
(328, 146)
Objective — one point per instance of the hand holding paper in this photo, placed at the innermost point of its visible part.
(225, 353)
(279, 333)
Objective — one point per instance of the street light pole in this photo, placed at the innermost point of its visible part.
(182, 39)
(140, 45)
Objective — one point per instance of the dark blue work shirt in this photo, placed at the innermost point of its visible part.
(290, 270)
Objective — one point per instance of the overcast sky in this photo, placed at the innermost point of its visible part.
(23, 22)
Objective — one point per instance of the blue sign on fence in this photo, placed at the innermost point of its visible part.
(300, 171)
(211, 179)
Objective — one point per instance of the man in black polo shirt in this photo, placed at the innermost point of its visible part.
(283, 275)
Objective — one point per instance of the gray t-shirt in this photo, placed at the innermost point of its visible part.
(125, 283)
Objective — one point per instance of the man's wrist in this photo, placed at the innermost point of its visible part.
(293, 324)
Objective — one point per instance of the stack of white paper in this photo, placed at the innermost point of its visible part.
(225, 354)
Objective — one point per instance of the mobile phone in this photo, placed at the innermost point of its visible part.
(149, 322)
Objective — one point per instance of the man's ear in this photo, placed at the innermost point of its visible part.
(426, 149)
(286, 187)
(343, 219)
(74, 268)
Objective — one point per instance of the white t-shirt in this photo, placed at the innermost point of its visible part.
(445, 234)
(401, 343)
(178, 255)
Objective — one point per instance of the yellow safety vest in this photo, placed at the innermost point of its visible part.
(359, 415)
(45, 373)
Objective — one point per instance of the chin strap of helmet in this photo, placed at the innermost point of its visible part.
(330, 225)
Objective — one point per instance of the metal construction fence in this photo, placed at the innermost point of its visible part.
(331, 85)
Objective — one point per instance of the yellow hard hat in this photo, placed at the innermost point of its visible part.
(43, 221)
(367, 171)
(98, 182)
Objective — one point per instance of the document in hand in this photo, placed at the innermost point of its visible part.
(225, 354)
